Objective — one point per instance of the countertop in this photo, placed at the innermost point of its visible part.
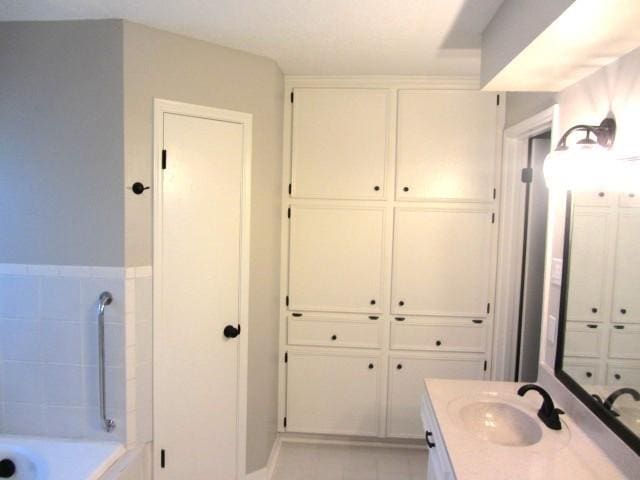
(474, 458)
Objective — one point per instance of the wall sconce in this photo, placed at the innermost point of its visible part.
(588, 164)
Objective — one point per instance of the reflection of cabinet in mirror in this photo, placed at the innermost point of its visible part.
(602, 342)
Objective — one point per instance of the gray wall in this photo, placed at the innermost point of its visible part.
(61, 142)
(513, 27)
(522, 105)
(174, 67)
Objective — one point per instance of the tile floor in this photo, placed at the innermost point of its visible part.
(303, 461)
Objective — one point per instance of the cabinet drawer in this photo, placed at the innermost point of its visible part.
(583, 339)
(631, 199)
(321, 331)
(464, 336)
(583, 373)
(594, 199)
(624, 342)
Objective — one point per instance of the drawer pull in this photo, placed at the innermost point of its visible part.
(601, 194)
(334, 337)
(427, 434)
(372, 302)
(376, 188)
(619, 327)
(631, 195)
(371, 366)
(591, 325)
(399, 319)
(594, 310)
(373, 317)
(589, 374)
(476, 320)
(399, 367)
(623, 311)
(617, 376)
(405, 189)
(438, 343)
(401, 303)
(296, 314)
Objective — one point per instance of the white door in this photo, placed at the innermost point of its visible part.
(333, 391)
(441, 262)
(406, 386)
(336, 257)
(339, 144)
(200, 259)
(446, 145)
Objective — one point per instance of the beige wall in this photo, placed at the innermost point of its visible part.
(61, 166)
(164, 65)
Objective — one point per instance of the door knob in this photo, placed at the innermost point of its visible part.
(231, 332)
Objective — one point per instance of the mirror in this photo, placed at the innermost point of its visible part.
(598, 354)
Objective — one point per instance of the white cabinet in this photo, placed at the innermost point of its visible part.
(446, 146)
(588, 267)
(583, 339)
(335, 258)
(439, 334)
(624, 374)
(584, 372)
(334, 331)
(439, 467)
(406, 385)
(624, 342)
(593, 199)
(626, 284)
(339, 143)
(442, 262)
(333, 392)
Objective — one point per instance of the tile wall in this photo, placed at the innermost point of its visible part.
(49, 351)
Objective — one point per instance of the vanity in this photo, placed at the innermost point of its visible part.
(484, 430)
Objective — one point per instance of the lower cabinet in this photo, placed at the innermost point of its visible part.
(584, 371)
(439, 467)
(406, 385)
(333, 391)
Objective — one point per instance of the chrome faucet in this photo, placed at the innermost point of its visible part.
(608, 403)
(548, 413)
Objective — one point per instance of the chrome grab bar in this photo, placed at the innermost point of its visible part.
(105, 299)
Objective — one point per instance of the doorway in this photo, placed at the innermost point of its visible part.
(200, 290)
(533, 259)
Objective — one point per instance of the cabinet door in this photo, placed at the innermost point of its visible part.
(406, 386)
(442, 262)
(333, 393)
(594, 199)
(624, 342)
(626, 285)
(623, 375)
(585, 373)
(335, 259)
(583, 339)
(446, 146)
(588, 264)
(321, 330)
(339, 143)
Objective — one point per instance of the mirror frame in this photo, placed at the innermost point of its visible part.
(627, 436)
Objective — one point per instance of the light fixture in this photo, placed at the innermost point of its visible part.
(588, 164)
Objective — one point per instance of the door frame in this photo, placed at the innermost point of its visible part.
(511, 237)
(160, 107)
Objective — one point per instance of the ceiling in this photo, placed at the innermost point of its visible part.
(307, 37)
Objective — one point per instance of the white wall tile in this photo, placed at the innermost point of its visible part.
(24, 418)
(62, 342)
(63, 385)
(19, 296)
(20, 340)
(22, 382)
(63, 298)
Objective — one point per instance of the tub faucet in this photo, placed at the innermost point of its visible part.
(548, 413)
(608, 403)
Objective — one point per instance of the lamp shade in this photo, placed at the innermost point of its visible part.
(582, 167)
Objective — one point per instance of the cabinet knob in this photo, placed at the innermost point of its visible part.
(405, 189)
(401, 303)
(631, 195)
(617, 376)
(623, 311)
(372, 302)
(438, 343)
(601, 194)
(376, 188)
(594, 310)
(589, 374)
(399, 367)
(371, 366)
(334, 337)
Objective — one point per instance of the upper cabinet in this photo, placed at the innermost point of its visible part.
(336, 259)
(446, 146)
(626, 298)
(442, 262)
(339, 143)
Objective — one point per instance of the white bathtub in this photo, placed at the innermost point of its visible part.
(41, 458)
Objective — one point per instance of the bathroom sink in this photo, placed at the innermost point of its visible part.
(501, 423)
(506, 420)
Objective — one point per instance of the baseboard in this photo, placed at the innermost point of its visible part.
(267, 472)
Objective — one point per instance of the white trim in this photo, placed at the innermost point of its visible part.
(384, 81)
(160, 107)
(266, 473)
(512, 200)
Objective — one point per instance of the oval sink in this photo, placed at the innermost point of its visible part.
(500, 423)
